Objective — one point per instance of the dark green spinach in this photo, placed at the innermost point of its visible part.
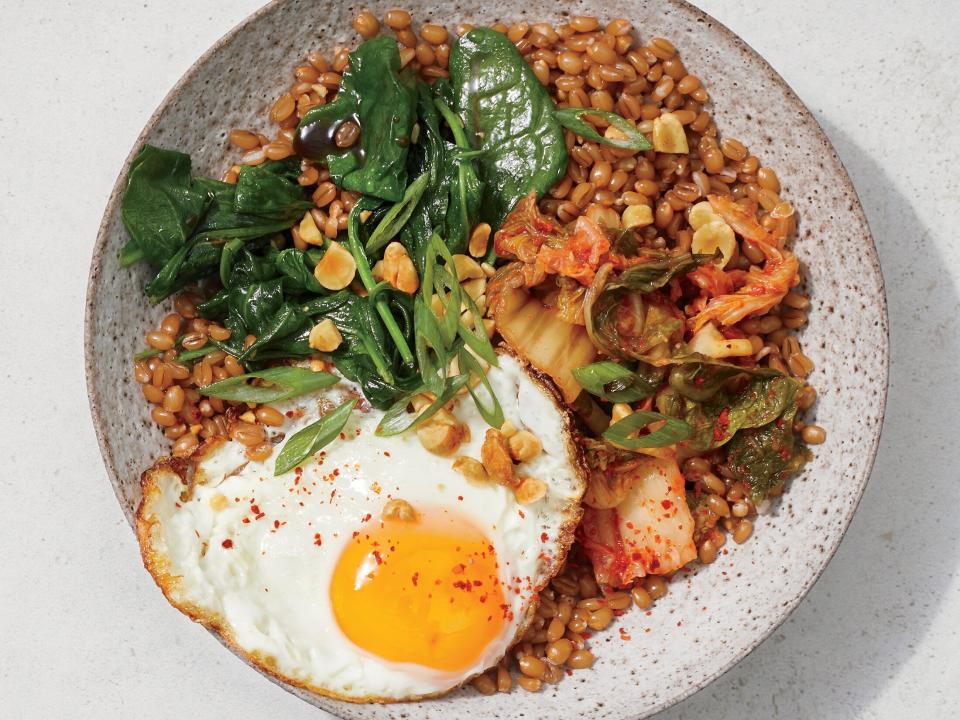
(508, 115)
(381, 98)
(765, 457)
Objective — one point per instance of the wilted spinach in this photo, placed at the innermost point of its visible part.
(762, 400)
(766, 456)
(508, 115)
(627, 318)
(177, 223)
(381, 98)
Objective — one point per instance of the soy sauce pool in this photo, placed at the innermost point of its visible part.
(319, 139)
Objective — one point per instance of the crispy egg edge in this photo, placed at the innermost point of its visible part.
(185, 470)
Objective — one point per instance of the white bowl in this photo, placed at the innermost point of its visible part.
(713, 617)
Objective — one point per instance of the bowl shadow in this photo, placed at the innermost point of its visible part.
(865, 617)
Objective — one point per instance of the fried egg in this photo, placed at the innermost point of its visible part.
(308, 577)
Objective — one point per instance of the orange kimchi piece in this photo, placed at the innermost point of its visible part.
(759, 289)
(649, 532)
(548, 248)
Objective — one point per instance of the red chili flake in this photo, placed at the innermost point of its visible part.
(666, 504)
(522, 516)
(276, 523)
(228, 543)
(386, 453)
(343, 436)
(415, 578)
(723, 422)
(367, 517)
(699, 380)
(246, 520)
(317, 540)
(376, 556)
(543, 537)
(460, 498)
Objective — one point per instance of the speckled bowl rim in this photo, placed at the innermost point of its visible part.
(869, 253)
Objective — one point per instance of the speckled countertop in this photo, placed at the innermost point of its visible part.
(83, 631)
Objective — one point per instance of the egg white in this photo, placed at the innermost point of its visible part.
(267, 591)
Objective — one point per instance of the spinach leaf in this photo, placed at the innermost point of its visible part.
(282, 383)
(312, 438)
(297, 270)
(229, 217)
(271, 190)
(160, 206)
(178, 223)
(508, 114)
(381, 98)
(427, 156)
(572, 119)
(766, 456)
(648, 276)
(627, 318)
(366, 355)
(699, 381)
(762, 400)
(626, 324)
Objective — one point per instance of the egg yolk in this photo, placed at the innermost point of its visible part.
(425, 592)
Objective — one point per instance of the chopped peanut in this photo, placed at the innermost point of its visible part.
(479, 240)
(475, 288)
(529, 490)
(421, 401)
(713, 236)
(441, 434)
(620, 411)
(471, 469)
(524, 446)
(467, 267)
(701, 214)
(398, 509)
(508, 429)
(336, 268)
(398, 269)
(614, 133)
(308, 230)
(710, 342)
(668, 135)
(495, 454)
(637, 216)
(325, 337)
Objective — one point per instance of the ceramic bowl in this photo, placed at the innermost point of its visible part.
(712, 617)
